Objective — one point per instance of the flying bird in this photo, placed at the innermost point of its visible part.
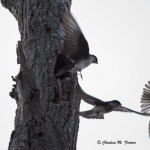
(75, 47)
(100, 107)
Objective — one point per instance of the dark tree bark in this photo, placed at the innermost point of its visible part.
(44, 119)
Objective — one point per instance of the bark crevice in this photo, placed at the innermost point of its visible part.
(46, 115)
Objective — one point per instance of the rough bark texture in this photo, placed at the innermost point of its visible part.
(45, 119)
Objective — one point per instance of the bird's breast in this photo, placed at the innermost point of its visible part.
(81, 64)
(100, 109)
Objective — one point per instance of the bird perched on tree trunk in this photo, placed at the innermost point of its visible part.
(75, 46)
(101, 107)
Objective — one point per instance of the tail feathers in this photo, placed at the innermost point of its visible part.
(64, 70)
(90, 114)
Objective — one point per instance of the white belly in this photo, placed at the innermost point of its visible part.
(82, 64)
(100, 109)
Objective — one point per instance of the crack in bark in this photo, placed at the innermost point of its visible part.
(44, 120)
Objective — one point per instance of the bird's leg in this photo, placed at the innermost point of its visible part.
(97, 115)
(101, 116)
(81, 75)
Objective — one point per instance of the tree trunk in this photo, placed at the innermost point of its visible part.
(45, 117)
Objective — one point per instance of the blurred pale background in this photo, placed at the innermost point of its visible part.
(118, 33)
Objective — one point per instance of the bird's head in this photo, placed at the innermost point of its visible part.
(94, 59)
(115, 103)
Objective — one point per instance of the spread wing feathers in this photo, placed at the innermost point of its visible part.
(149, 129)
(75, 44)
(145, 100)
(124, 109)
(90, 114)
(88, 98)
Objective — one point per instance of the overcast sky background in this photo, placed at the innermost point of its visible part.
(118, 33)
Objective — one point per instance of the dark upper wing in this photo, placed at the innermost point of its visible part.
(124, 109)
(88, 98)
(145, 100)
(75, 44)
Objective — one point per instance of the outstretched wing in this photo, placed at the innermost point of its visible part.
(145, 100)
(88, 98)
(90, 114)
(75, 44)
(124, 109)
